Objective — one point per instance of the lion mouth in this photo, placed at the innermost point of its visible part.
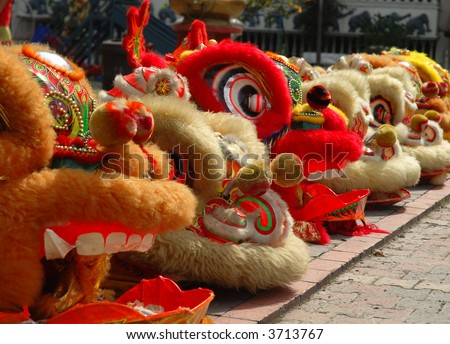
(92, 239)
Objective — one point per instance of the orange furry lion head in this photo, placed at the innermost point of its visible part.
(62, 215)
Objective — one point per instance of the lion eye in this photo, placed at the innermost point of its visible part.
(4, 121)
(238, 90)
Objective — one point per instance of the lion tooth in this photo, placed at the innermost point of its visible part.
(147, 243)
(55, 246)
(90, 244)
(115, 242)
(133, 243)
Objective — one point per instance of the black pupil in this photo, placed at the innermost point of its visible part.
(244, 93)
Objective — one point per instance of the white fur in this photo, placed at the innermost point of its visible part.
(186, 256)
(357, 79)
(386, 176)
(431, 158)
(400, 74)
(178, 123)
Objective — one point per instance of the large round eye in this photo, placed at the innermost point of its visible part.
(381, 110)
(238, 91)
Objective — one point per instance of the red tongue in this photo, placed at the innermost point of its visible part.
(72, 230)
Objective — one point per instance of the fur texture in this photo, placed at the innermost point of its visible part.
(343, 94)
(177, 126)
(431, 158)
(35, 197)
(357, 79)
(186, 256)
(320, 150)
(385, 176)
(379, 61)
(179, 122)
(401, 74)
(258, 63)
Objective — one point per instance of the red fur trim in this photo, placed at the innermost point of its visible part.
(15, 318)
(320, 150)
(247, 55)
(290, 196)
(333, 121)
(150, 59)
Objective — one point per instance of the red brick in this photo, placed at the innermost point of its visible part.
(367, 238)
(230, 320)
(412, 210)
(251, 312)
(340, 256)
(314, 275)
(301, 287)
(432, 196)
(279, 295)
(323, 264)
(299, 316)
(353, 246)
(424, 201)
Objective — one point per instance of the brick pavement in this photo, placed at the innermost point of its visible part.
(405, 281)
(401, 277)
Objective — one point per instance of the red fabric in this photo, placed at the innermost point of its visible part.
(5, 14)
(314, 233)
(351, 228)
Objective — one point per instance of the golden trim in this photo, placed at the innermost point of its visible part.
(75, 74)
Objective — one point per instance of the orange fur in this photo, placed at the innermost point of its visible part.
(34, 197)
(379, 61)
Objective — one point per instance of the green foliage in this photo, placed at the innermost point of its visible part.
(284, 7)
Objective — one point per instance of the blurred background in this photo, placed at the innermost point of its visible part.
(90, 31)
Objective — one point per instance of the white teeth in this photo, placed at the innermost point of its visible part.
(115, 242)
(55, 246)
(146, 243)
(133, 243)
(91, 244)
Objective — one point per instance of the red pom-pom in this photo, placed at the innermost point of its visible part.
(318, 97)
(443, 89)
(430, 89)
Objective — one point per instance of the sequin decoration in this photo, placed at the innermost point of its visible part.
(71, 106)
(293, 81)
